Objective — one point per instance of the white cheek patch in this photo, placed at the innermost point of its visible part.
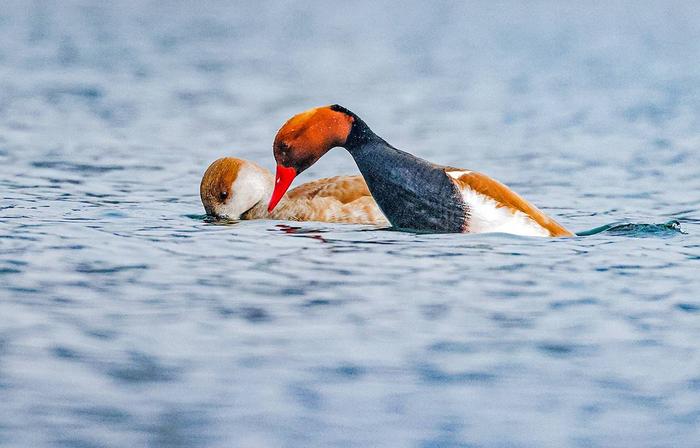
(487, 216)
(248, 189)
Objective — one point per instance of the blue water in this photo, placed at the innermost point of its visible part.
(127, 320)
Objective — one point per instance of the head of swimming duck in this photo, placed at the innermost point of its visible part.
(304, 139)
(232, 188)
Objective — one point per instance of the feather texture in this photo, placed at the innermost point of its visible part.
(238, 189)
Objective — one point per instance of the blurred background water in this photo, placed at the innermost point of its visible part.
(127, 320)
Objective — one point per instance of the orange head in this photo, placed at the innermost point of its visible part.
(304, 139)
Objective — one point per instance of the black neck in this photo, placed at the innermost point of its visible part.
(413, 193)
(360, 134)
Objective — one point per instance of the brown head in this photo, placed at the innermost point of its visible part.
(304, 139)
(230, 187)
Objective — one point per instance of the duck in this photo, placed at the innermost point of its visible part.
(414, 194)
(238, 189)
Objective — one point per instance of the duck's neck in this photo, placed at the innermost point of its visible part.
(413, 193)
(284, 210)
(259, 210)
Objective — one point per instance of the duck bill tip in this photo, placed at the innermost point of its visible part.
(283, 179)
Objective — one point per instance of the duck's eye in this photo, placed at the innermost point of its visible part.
(223, 195)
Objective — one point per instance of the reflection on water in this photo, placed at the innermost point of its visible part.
(130, 319)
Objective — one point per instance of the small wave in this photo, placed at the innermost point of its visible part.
(637, 230)
(208, 219)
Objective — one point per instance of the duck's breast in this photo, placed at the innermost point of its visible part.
(412, 193)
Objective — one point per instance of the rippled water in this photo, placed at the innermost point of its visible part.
(128, 320)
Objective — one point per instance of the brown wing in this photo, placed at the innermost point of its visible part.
(344, 189)
(343, 199)
(503, 195)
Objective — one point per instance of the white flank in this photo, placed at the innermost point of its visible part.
(457, 174)
(486, 216)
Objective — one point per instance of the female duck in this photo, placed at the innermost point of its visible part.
(413, 193)
(238, 189)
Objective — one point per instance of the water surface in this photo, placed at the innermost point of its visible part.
(128, 320)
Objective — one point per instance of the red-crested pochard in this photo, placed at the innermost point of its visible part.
(238, 189)
(413, 193)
